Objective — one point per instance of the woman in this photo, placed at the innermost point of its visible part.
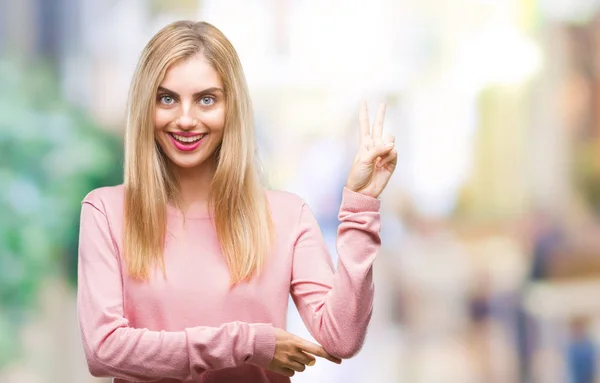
(185, 269)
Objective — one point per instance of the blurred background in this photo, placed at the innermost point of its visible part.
(490, 268)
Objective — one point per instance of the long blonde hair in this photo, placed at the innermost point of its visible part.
(241, 213)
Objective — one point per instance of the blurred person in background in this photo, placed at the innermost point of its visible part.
(581, 352)
(186, 268)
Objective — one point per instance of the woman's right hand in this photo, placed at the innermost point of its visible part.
(293, 354)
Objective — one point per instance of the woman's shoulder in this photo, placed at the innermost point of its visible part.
(284, 205)
(106, 198)
(280, 200)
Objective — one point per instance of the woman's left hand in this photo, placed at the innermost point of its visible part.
(376, 158)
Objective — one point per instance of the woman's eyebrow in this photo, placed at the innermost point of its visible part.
(197, 94)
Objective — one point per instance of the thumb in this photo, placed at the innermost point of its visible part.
(379, 151)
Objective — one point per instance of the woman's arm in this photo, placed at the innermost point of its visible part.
(337, 307)
(113, 349)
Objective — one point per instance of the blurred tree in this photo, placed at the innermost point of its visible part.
(586, 171)
(51, 155)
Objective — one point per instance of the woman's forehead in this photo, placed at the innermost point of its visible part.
(191, 75)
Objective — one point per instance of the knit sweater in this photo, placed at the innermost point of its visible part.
(190, 325)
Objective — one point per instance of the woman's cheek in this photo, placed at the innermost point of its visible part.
(161, 118)
(216, 118)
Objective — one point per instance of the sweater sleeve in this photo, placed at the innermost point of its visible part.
(114, 349)
(337, 306)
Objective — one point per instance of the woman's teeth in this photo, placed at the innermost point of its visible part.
(187, 140)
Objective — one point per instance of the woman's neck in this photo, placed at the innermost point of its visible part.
(194, 186)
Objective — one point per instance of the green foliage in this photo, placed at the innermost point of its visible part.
(51, 155)
(586, 173)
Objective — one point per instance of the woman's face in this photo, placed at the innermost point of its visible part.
(190, 112)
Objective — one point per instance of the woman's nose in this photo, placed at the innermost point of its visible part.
(186, 122)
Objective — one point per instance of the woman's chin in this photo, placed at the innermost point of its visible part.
(189, 163)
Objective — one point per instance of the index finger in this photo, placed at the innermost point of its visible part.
(378, 125)
(363, 121)
(317, 350)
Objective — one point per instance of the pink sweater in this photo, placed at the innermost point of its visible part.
(190, 326)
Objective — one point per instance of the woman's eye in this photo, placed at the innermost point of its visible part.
(207, 101)
(166, 100)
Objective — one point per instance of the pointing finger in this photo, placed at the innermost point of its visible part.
(378, 125)
(363, 121)
(318, 351)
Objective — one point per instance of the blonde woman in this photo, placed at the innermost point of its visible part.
(185, 269)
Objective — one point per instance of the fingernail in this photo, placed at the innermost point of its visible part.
(311, 363)
(389, 144)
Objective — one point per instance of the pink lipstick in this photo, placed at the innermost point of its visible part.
(186, 146)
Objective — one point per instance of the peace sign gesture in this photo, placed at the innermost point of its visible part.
(376, 158)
